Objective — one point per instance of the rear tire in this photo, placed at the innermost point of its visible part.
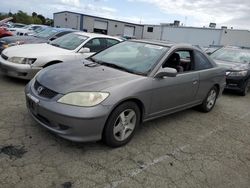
(121, 125)
(210, 100)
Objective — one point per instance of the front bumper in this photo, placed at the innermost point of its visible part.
(22, 71)
(73, 123)
(235, 83)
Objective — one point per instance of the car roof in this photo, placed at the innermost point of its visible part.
(90, 35)
(166, 43)
(237, 48)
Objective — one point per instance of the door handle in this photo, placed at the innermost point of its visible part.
(195, 82)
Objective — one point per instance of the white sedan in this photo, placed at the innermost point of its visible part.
(26, 60)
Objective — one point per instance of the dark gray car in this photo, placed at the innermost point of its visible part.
(108, 95)
(237, 62)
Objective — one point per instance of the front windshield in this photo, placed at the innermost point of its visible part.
(46, 33)
(136, 57)
(70, 41)
(232, 55)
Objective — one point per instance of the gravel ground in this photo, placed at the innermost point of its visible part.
(186, 149)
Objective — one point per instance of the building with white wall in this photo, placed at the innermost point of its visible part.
(197, 35)
(169, 32)
(96, 24)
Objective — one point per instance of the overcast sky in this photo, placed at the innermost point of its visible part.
(231, 13)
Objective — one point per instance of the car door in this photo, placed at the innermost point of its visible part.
(207, 74)
(95, 45)
(174, 93)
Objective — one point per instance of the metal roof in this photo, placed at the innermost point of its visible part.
(129, 23)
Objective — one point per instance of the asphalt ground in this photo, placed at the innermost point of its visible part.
(186, 149)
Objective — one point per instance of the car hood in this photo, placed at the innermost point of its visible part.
(34, 50)
(75, 76)
(23, 39)
(232, 66)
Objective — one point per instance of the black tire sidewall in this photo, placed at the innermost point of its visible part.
(108, 136)
(245, 86)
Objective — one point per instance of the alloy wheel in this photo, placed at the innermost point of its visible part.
(211, 99)
(124, 125)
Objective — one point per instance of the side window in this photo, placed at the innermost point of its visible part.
(181, 60)
(201, 62)
(111, 42)
(96, 45)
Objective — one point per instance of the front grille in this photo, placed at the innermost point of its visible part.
(4, 57)
(43, 91)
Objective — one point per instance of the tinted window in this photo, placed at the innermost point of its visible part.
(111, 42)
(96, 45)
(201, 62)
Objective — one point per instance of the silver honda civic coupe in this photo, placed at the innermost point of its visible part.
(108, 95)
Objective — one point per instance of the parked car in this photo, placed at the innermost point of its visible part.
(48, 34)
(108, 95)
(26, 60)
(237, 62)
(16, 25)
(28, 29)
(4, 32)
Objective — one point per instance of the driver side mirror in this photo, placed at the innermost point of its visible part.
(84, 50)
(166, 72)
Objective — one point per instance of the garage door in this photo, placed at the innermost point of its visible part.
(129, 31)
(100, 27)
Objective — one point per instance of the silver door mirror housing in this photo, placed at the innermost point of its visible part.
(84, 50)
(166, 72)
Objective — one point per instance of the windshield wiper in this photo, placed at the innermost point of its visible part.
(95, 62)
(92, 64)
(118, 67)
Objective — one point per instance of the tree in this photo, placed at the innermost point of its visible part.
(42, 18)
(34, 14)
(23, 17)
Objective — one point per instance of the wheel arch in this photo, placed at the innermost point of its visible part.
(218, 87)
(137, 101)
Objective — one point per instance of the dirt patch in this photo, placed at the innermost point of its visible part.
(13, 151)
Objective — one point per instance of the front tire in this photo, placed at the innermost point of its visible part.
(210, 100)
(121, 125)
(245, 88)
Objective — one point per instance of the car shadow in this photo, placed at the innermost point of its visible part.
(231, 93)
(146, 126)
(17, 81)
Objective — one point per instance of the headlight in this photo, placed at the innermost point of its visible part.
(237, 73)
(85, 99)
(22, 60)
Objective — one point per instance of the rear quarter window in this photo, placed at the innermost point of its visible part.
(201, 61)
